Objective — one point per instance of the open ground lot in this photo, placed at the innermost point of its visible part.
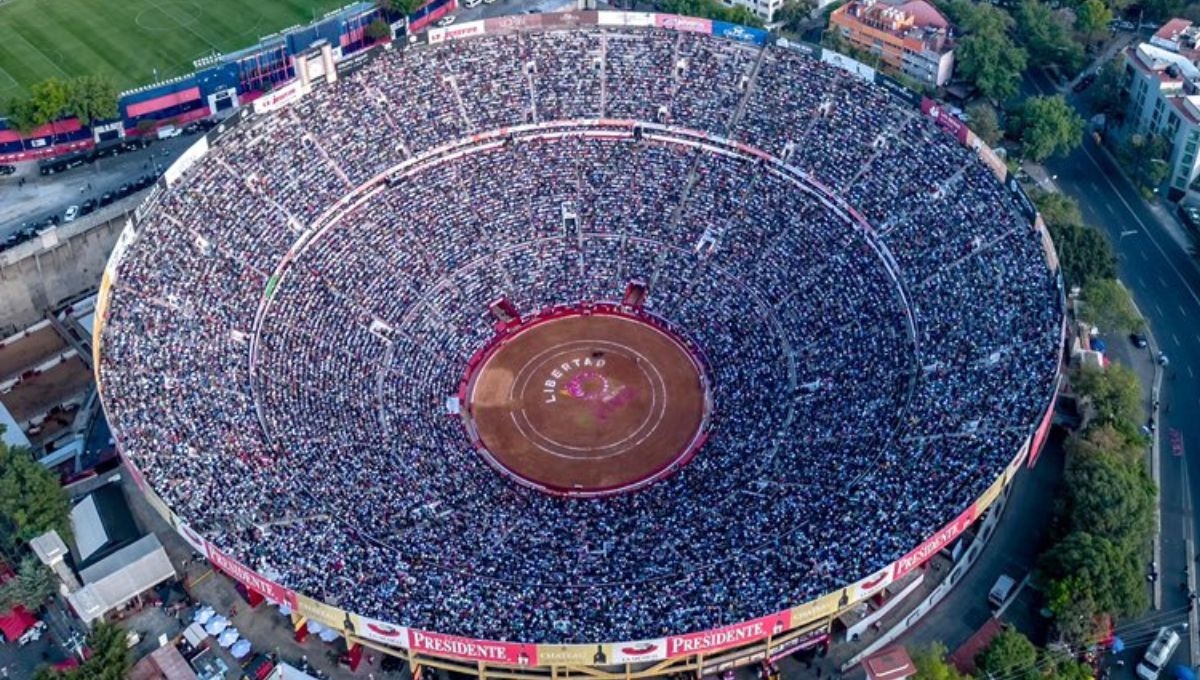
(128, 40)
(29, 350)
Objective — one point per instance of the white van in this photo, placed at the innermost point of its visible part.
(1000, 592)
(1160, 652)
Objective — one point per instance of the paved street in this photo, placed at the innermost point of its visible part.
(40, 197)
(1164, 278)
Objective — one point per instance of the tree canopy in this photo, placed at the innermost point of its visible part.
(1049, 127)
(1098, 570)
(1104, 96)
(90, 98)
(1083, 252)
(1047, 36)
(1111, 497)
(931, 664)
(992, 61)
(711, 9)
(110, 660)
(1092, 17)
(31, 586)
(985, 123)
(31, 500)
(1114, 392)
(1009, 655)
(1108, 305)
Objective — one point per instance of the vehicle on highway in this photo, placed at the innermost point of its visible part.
(446, 21)
(1001, 591)
(1139, 340)
(70, 215)
(1084, 83)
(1160, 652)
(1189, 215)
(7, 169)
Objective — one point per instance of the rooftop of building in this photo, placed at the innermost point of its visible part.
(911, 19)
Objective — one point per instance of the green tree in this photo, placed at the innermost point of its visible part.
(1108, 305)
(985, 123)
(1098, 570)
(1092, 18)
(1104, 438)
(31, 586)
(1047, 36)
(1114, 392)
(794, 13)
(1062, 666)
(1104, 96)
(49, 99)
(1049, 127)
(399, 7)
(1146, 154)
(1083, 252)
(1111, 497)
(1075, 614)
(110, 660)
(931, 664)
(22, 115)
(91, 98)
(1010, 655)
(378, 30)
(992, 62)
(31, 500)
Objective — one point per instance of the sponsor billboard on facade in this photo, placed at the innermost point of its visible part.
(324, 614)
(738, 32)
(641, 650)
(377, 631)
(279, 98)
(189, 534)
(250, 578)
(575, 655)
(507, 653)
(729, 636)
(851, 66)
(675, 22)
(934, 543)
(821, 607)
(456, 32)
(896, 89)
(944, 120)
(608, 18)
(871, 584)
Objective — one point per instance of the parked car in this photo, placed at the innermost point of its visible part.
(88, 206)
(1162, 359)
(71, 213)
(1138, 340)
(446, 20)
(1084, 82)
(7, 169)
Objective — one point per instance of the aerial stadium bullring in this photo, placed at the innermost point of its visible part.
(632, 334)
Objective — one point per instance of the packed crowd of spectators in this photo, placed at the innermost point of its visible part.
(296, 416)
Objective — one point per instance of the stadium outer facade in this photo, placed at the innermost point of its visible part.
(767, 637)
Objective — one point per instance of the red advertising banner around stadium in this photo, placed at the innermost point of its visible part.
(250, 578)
(508, 653)
(729, 636)
(944, 120)
(936, 542)
(675, 22)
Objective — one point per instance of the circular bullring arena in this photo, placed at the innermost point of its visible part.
(617, 337)
(588, 404)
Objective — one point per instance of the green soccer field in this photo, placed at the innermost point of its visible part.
(128, 39)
